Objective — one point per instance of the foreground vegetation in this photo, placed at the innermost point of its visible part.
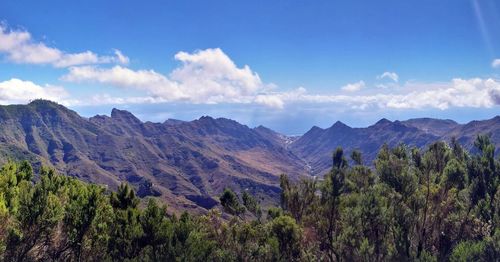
(439, 204)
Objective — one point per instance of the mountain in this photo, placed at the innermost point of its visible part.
(436, 127)
(187, 164)
(280, 139)
(317, 145)
(466, 134)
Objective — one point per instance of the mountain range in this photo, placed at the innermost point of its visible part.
(189, 163)
(316, 146)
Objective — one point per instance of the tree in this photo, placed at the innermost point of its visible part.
(82, 209)
(251, 205)
(298, 199)
(274, 212)
(230, 202)
(288, 234)
(469, 251)
(331, 190)
(356, 157)
(455, 175)
(157, 230)
(40, 211)
(124, 198)
(365, 221)
(339, 161)
(126, 230)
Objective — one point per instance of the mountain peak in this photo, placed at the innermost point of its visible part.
(263, 128)
(383, 121)
(316, 128)
(314, 132)
(50, 108)
(46, 104)
(268, 130)
(339, 124)
(123, 115)
(38, 102)
(220, 122)
(206, 118)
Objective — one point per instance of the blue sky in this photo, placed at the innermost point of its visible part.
(287, 65)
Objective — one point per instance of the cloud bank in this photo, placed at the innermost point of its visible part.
(474, 93)
(211, 77)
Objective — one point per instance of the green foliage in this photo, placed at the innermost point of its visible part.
(274, 212)
(251, 205)
(124, 198)
(436, 204)
(288, 234)
(455, 174)
(298, 199)
(356, 157)
(339, 160)
(230, 202)
(417, 205)
(469, 251)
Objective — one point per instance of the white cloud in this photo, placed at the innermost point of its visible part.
(120, 57)
(206, 76)
(107, 99)
(496, 63)
(473, 93)
(391, 75)
(19, 47)
(75, 59)
(16, 91)
(270, 100)
(155, 84)
(459, 92)
(211, 72)
(354, 86)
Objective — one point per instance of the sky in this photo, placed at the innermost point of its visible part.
(287, 65)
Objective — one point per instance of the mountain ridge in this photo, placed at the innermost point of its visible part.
(189, 163)
(316, 145)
